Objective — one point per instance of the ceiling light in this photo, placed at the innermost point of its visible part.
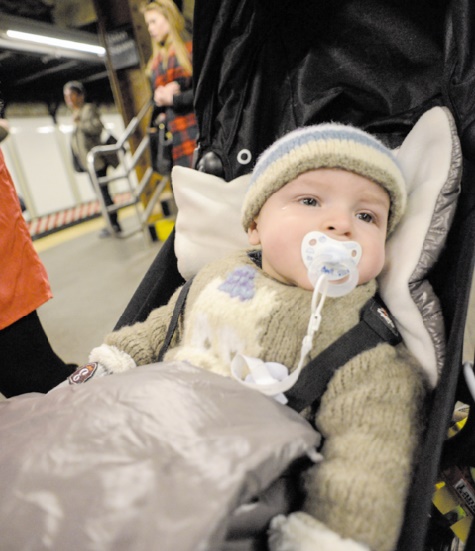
(56, 42)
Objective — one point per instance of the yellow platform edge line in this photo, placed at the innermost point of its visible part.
(78, 230)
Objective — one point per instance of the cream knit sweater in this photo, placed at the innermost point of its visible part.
(370, 416)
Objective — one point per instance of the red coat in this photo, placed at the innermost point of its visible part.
(182, 121)
(24, 282)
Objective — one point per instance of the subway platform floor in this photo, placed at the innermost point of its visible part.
(92, 280)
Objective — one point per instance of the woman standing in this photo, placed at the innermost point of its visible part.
(28, 363)
(170, 72)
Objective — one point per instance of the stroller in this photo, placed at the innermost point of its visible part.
(263, 68)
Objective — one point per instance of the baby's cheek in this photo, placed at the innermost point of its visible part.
(371, 266)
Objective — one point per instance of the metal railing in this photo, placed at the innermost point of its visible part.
(126, 170)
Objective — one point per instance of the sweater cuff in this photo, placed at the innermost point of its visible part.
(301, 532)
(113, 359)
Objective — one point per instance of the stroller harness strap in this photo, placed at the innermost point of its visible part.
(179, 305)
(376, 326)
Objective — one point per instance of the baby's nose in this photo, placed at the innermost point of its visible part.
(339, 222)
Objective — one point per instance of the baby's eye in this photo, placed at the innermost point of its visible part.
(309, 201)
(366, 217)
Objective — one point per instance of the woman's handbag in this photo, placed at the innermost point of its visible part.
(165, 149)
(161, 148)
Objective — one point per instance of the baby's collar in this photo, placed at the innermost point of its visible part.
(256, 256)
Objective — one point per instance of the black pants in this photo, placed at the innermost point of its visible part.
(27, 361)
(113, 217)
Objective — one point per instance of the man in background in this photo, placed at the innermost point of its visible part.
(87, 133)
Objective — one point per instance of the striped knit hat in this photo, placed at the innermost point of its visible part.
(325, 146)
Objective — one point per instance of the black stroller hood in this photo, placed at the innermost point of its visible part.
(265, 67)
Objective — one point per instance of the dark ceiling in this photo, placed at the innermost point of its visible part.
(38, 77)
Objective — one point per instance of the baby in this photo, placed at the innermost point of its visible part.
(341, 183)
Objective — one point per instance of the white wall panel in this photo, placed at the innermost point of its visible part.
(38, 155)
(35, 143)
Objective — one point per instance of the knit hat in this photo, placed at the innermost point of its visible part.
(329, 145)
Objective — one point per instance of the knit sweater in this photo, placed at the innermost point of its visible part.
(369, 416)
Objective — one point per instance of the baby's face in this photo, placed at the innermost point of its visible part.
(341, 204)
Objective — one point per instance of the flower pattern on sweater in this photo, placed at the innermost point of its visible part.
(240, 283)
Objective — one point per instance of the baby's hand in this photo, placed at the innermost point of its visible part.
(111, 359)
(301, 532)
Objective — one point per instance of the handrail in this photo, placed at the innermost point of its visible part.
(127, 166)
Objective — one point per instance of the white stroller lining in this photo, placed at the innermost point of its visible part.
(431, 159)
(208, 223)
(208, 226)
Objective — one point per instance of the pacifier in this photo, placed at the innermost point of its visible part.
(336, 260)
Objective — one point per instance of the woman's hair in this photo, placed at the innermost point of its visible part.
(175, 37)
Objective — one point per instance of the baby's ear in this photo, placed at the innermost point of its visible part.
(253, 233)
